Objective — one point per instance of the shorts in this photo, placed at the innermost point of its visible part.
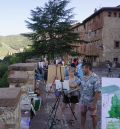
(87, 108)
(71, 99)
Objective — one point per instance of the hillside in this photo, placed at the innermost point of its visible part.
(12, 44)
(110, 89)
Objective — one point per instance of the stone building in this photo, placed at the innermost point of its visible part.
(10, 113)
(100, 35)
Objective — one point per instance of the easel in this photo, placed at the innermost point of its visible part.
(54, 74)
(53, 113)
(53, 83)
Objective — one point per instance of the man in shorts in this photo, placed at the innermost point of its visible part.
(90, 89)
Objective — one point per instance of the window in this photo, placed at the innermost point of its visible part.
(109, 14)
(76, 29)
(115, 14)
(115, 59)
(117, 44)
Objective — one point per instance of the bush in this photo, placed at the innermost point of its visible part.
(74, 54)
(4, 80)
(3, 69)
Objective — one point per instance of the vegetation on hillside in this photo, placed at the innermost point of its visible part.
(4, 75)
(12, 44)
(8, 60)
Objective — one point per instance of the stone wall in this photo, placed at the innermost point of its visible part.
(101, 30)
(10, 113)
(22, 75)
(111, 33)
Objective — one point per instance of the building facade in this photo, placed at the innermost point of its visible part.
(100, 36)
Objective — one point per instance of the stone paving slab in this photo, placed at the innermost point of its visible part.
(3, 126)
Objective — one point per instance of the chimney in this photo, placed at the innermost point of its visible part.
(118, 6)
(95, 10)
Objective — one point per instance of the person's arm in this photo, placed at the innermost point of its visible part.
(96, 98)
(75, 84)
(97, 90)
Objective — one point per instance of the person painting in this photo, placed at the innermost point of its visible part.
(90, 90)
(80, 69)
(73, 97)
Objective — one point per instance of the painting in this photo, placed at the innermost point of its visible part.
(65, 85)
(110, 103)
(54, 72)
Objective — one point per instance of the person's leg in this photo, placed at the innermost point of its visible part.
(93, 113)
(65, 101)
(83, 116)
(73, 101)
(94, 122)
(94, 118)
(73, 105)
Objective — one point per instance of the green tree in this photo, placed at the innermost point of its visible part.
(51, 26)
(4, 80)
(3, 69)
(115, 109)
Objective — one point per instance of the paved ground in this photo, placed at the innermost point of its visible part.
(40, 121)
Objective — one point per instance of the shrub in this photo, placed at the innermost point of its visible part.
(3, 69)
(4, 80)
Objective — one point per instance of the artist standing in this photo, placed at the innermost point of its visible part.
(90, 89)
(73, 97)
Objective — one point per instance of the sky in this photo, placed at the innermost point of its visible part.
(110, 81)
(13, 13)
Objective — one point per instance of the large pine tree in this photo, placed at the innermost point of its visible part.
(51, 26)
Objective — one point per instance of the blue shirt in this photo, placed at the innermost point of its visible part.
(89, 85)
(80, 71)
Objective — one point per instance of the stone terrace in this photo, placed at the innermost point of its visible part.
(40, 121)
(10, 108)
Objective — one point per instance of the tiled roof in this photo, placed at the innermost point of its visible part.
(100, 11)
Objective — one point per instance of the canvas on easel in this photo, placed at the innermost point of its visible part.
(110, 103)
(62, 85)
(53, 72)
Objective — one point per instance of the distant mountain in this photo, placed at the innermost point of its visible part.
(12, 44)
(110, 89)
